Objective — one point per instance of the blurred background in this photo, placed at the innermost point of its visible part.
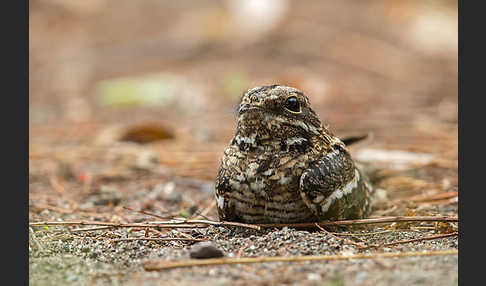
(168, 74)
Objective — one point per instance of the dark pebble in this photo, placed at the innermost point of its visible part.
(203, 250)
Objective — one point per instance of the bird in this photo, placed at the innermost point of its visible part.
(284, 166)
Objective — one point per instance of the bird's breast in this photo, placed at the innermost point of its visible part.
(265, 186)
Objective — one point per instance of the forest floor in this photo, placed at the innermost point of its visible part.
(102, 168)
(125, 182)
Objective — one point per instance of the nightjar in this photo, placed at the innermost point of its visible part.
(284, 166)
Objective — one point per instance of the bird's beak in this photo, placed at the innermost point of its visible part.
(246, 107)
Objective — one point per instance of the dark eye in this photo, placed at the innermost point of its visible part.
(292, 104)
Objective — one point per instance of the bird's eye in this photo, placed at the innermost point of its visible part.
(292, 104)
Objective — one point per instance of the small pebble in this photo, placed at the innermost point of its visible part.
(203, 250)
(170, 193)
(314, 277)
(72, 278)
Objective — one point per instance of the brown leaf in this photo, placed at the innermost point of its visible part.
(445, 227)
(147, 133)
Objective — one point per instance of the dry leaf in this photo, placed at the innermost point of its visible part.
(147, 133)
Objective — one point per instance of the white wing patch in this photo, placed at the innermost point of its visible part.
(294, 140)
(219, 201)
(339, 193)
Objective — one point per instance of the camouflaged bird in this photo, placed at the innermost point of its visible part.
(284, 166)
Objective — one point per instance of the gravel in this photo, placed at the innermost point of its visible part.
(84, 257)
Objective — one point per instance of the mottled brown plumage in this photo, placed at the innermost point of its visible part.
(284, 166)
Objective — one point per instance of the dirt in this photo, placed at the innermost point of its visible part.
(367, 67)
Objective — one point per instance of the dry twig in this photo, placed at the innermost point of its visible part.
(112, 224)
(92, 228)
(34, 238)
(158, 239)
(415, 239)
(362, 234)
(209, 222)
(362, 221)
(439, 196)
(207, 209)
(148, 213)
(196, 223)
(340, 238)
(161, 265)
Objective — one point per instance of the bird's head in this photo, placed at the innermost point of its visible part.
(277, 113)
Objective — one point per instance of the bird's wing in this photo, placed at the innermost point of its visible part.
(222, 186)
(333, 188)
